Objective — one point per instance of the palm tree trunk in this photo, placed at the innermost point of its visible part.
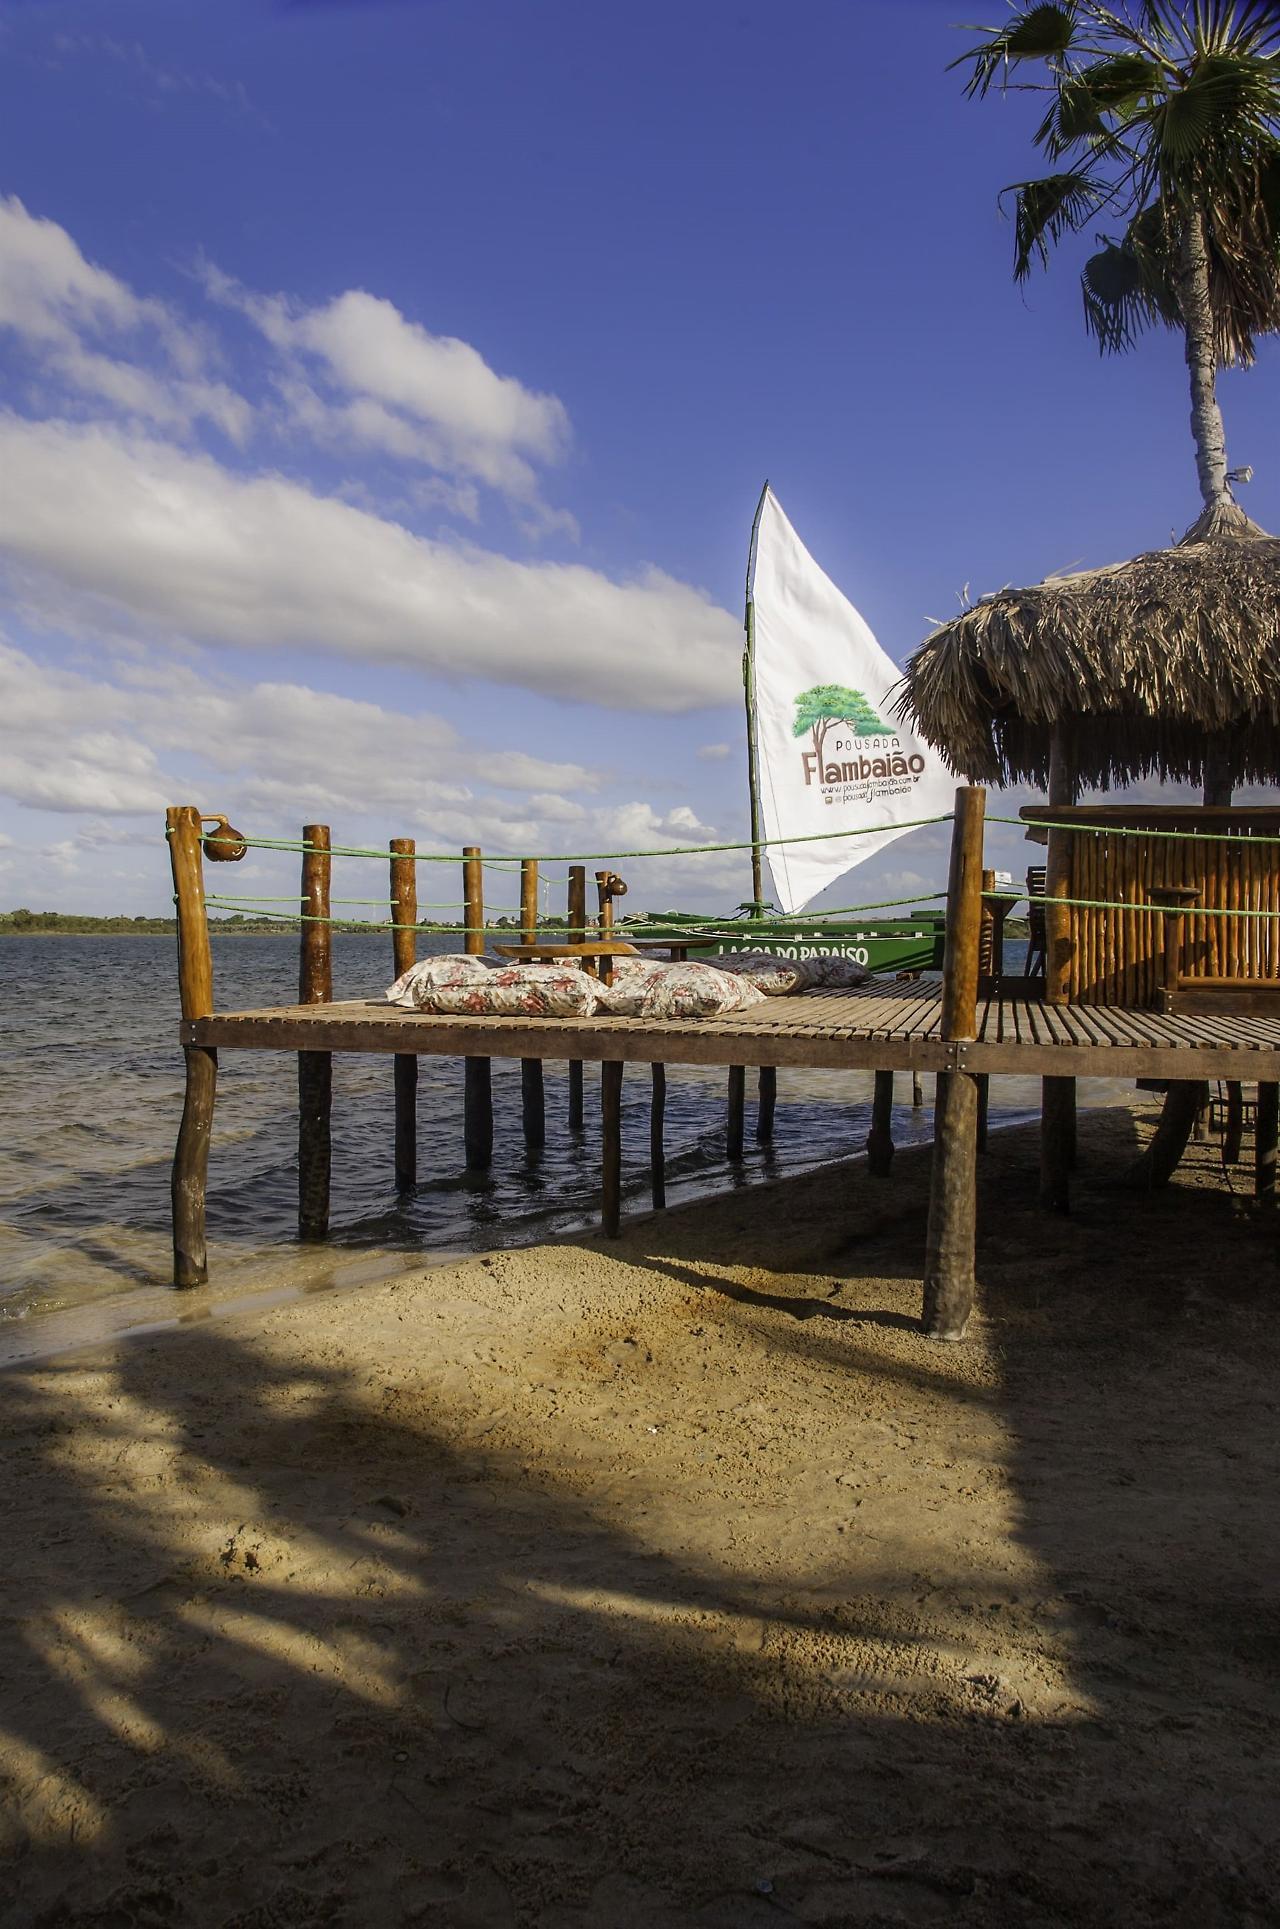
(1197, 322)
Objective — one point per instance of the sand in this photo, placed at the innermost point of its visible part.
(674, 1581)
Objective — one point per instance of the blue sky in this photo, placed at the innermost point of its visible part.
(388, 388)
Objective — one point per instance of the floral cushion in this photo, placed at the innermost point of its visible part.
(514, 991)
(645, 988)
(413, 989)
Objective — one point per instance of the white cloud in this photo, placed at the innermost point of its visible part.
(394, 386)
(713, 753)
(97, 520)
(273, 756)
(59, 304)
(76, 743)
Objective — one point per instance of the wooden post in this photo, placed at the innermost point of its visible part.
(987, 962)
(657, 1149)
(949, 1253)
(611, 1147)
(1058, 1095)
(477, 1101)
(766, 1103)
(735, 1123)
(189, 1179)
(533, 1105)
(880, 1137)
(1265, 1131)
(917, 1090)
(315, 1069)
(1157, 1165)
(1233, 1133)
(404, 951)
(576, 933)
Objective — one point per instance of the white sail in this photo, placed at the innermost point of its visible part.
(831, 756)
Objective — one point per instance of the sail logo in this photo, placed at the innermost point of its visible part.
(843, 727)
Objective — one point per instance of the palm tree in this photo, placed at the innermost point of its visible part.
(1168, 115)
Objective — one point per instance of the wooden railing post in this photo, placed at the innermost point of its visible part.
(477, 1103)
(576, 918)
(1058, 1095)
(315, 1069)
(949, 1254)
(404, 952)
(189, 1179)
(533, 1105)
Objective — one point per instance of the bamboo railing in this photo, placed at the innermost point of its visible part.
(1126, 857)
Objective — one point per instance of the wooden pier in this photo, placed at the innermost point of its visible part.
(966, 1029)
(876, 1029)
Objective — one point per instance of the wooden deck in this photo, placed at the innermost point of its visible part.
(888, 1028)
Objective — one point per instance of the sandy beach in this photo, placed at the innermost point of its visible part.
(674, 1581)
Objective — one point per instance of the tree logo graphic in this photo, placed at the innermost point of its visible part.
(817, 710)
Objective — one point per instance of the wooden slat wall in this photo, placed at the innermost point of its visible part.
(1116, 958)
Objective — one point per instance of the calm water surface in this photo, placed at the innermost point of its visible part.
(93, 1094)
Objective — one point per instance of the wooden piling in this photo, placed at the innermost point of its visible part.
(477, 1101)
(404, 952)
(1233, 1132)
(917, 1090)
(1062, 968)
(735, 1119)
(880, 1137)
(315, 1069)
(533, 1105)
(1057, 1142)
(611, 1147)
(576, 933)
(766, 1103)
(1158, 1163)
(189, 1178)
(657, 1147)
(1265, 1132)
(950, 1241)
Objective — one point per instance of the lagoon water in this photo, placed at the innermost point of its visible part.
(92, 1078)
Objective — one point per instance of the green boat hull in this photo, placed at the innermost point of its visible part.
(883, 944)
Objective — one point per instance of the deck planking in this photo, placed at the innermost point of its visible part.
(874, 1028)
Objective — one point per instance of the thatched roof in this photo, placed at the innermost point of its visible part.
(1141, 663)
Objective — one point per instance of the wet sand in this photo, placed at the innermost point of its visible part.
(671, 1581)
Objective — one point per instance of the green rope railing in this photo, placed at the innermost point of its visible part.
(764, 928)
(1147, 909)
(560, 857)
(1130, 830)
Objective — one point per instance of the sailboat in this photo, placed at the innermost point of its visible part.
(831, 777)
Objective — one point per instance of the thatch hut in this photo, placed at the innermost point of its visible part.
(1164, 666)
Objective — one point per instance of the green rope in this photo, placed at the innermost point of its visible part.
(585, 857)
(763, 926)
(1147, 910)
(1125, 830)
(238, 902)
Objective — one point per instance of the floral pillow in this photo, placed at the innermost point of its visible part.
(413, 989)
(517, 991)
(645, 988)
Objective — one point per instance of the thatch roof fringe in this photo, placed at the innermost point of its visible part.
(1140, 663)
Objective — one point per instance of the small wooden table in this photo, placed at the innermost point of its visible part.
(676, 949)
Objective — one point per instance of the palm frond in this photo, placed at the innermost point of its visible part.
(1042, 32)
(1045, 210)
(1119, 304)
